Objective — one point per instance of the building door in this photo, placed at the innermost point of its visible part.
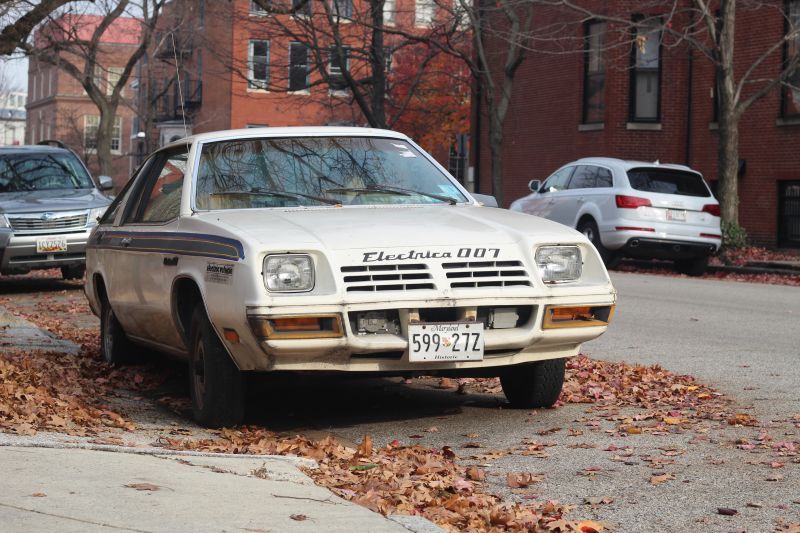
(789, 214)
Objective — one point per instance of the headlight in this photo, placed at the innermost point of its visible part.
(4, 222)
(559, 263)
(288, 273)
(95, 214)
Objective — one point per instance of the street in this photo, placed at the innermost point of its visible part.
(740, 339)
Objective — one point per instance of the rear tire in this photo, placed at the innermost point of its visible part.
(589, 229)
(73, 272)
(115, 346)
(692, 267)
(534, 385)
(217, 386)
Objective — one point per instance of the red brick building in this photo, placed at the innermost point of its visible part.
(59, 108)
(657, 103)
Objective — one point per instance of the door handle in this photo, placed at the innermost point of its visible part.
(171, 261)
(125, 241)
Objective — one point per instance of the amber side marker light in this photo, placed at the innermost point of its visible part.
(582, 316)
(297, 327)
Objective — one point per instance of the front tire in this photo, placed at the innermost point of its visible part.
(534, 385)
(217, 386)
(692, 267)
(115, 346)
(589, 229)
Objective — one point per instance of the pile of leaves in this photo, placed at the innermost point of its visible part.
(662, 269)
(754, 254)
(396, 479)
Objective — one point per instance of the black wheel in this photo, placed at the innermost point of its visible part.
(115, 347)
(535, 385)
(692, 267)
(73, 272)
(589, 229)
(217, 386)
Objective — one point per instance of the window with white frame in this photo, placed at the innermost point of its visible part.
(114, 75)
(258, 65)
(301, 7)
(298, 67)
(91, 125)
(336, 80)
(343, 8)
(424, 11)
(256, 9)
(389, 11)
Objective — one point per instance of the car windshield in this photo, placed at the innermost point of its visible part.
(42, 172)
(668, 181)
(313, 171)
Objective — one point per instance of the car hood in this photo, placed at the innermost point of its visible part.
(56, 200)
(388, 227)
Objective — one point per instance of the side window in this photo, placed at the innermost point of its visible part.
(604, 178)
(557, 181)
(111, 213)
(162, 200)
(584, 177)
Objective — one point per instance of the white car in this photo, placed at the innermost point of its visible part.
(632, 209)
(335, 249)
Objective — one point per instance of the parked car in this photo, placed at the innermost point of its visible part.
(335, 250)
(632, 209)
(48, 206)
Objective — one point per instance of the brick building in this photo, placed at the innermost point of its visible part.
(654, 103)
(58, 106)
(12, 118)
(236, 71)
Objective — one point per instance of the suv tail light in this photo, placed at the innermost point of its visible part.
(632, 202)
(711, 209)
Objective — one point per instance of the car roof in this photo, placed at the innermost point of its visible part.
(289, 131)
(33, 148)
(625, 164)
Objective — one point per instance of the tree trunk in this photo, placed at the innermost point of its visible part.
(378, 59)
(728, 166)
(496, 153)
(105, 131)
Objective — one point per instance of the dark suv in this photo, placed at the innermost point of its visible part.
(48, 205)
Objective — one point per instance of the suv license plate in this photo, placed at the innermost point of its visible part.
(676, 215)
(48, 245)
(459, 341)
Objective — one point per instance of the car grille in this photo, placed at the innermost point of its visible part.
(371, 278)
(38, 222)
(486, 274)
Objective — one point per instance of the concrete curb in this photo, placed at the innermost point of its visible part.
(783, 270)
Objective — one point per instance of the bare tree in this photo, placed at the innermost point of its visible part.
(21, 17)
(76, 48)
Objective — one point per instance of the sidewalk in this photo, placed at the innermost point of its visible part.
(48, 489)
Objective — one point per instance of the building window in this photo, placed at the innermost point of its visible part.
(645, 98)
(423, 13)
(389, 11)
(298, 67)
(343, 8)
(594, 74)
(301, 7)
(790, 101)
(114, 75)
(258, 65)
(91, 124)
(256, 9)
(336, 80)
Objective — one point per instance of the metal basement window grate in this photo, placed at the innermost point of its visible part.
(375, 278)
(486, 274)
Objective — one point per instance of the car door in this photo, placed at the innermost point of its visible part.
(144, 262)
(570, 201)
(545, 202)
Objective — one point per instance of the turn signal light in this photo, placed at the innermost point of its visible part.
(631, 202)
(576, 316)
(711, 209)
(297, 327)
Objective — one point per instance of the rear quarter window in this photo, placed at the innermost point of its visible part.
(667, 181)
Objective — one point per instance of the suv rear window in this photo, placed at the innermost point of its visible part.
(668, 181)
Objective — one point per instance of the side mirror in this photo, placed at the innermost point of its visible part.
(485, 199)
(534, 185)
(106, 183)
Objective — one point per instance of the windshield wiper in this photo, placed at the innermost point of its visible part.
(278, 194)
(394, 190)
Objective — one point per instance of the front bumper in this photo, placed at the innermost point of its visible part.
(388, 353)
(18, 252)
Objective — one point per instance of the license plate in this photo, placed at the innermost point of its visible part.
(676, 215)
(458, 341)
(49, 245)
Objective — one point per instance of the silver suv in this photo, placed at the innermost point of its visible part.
(632, 209)
(48, 206)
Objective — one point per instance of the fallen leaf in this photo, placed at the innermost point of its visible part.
(298, 517)
(661, 478)
(598, 500)
(726, 511)
(589, 526)
(476, 474)
(520, 480)
(365, 448)
(143, 486)
(39, 494)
